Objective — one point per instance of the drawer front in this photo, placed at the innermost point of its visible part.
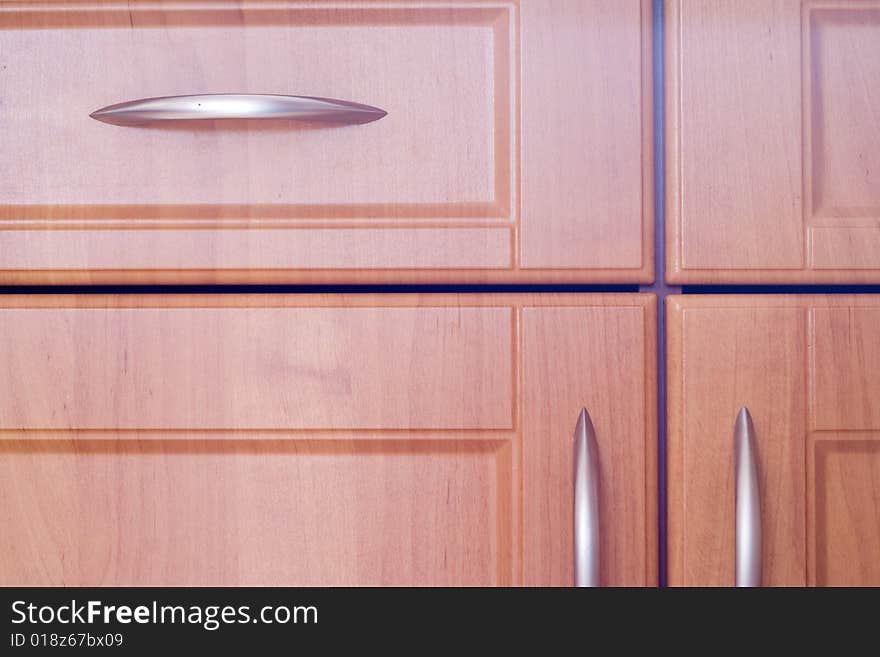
(516, 145)
(321, 440)
(773, 145)
(805, 367)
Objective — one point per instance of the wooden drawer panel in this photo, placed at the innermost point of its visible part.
(773, 147)
(326, 440)
(803, 366)
(301, 368)
(492, 163)
(208, 513)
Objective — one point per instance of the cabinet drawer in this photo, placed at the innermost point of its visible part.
(773, 143)
(322, 440)
(516, 145)
(806, 369)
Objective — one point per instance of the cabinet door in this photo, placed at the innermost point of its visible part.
(773, 143)
(321, 440)
(517, 144)
(808, 370)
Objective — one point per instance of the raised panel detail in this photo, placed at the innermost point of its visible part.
(845, 67)
(254, 513)
(846, 512)
(279, 439)
(845, 368)
(773, 143)
(274, 169)
(806, 367)
(517, 145)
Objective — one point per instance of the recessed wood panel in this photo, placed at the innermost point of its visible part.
(288, 47)
(320, 439)
(845, 368)
(858, 246)
(285, 513)
(257, 368)
(773, 147)
(491, 164)
(846, 512)
(805, 368)
(844, 95)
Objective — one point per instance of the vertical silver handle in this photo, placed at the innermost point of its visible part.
(586, 502)
(748, 503)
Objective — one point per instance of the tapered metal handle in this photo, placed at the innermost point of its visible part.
(586, 502)
(236, 106)
(748, 503)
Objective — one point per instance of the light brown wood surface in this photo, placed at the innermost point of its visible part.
(807, 368)
(772, 141)
(323, 440)
(517, 145)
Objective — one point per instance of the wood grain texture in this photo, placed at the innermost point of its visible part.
(772, 141)
(320, 439)
(773, 354)
(303, 368)
(727, 359)
(596, 121)
(492, 164)
(208, 513)
(845, 368)
(845, 510)
(587, 357)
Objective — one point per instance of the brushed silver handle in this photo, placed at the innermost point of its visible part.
(748, 502)
(586, 502)
(237, 106)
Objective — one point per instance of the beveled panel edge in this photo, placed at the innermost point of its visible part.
(675, 272)
(675, 306)
(505, 476)
(506, 24)
(506, 445)
(814, 213)
(500, 15)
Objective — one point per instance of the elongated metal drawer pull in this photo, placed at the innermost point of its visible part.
(237, 106)
(748, 503)
(586, 502)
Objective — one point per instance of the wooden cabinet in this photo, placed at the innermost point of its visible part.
(773, 142)
(517, 144)
(321, 440)
(808, 370)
